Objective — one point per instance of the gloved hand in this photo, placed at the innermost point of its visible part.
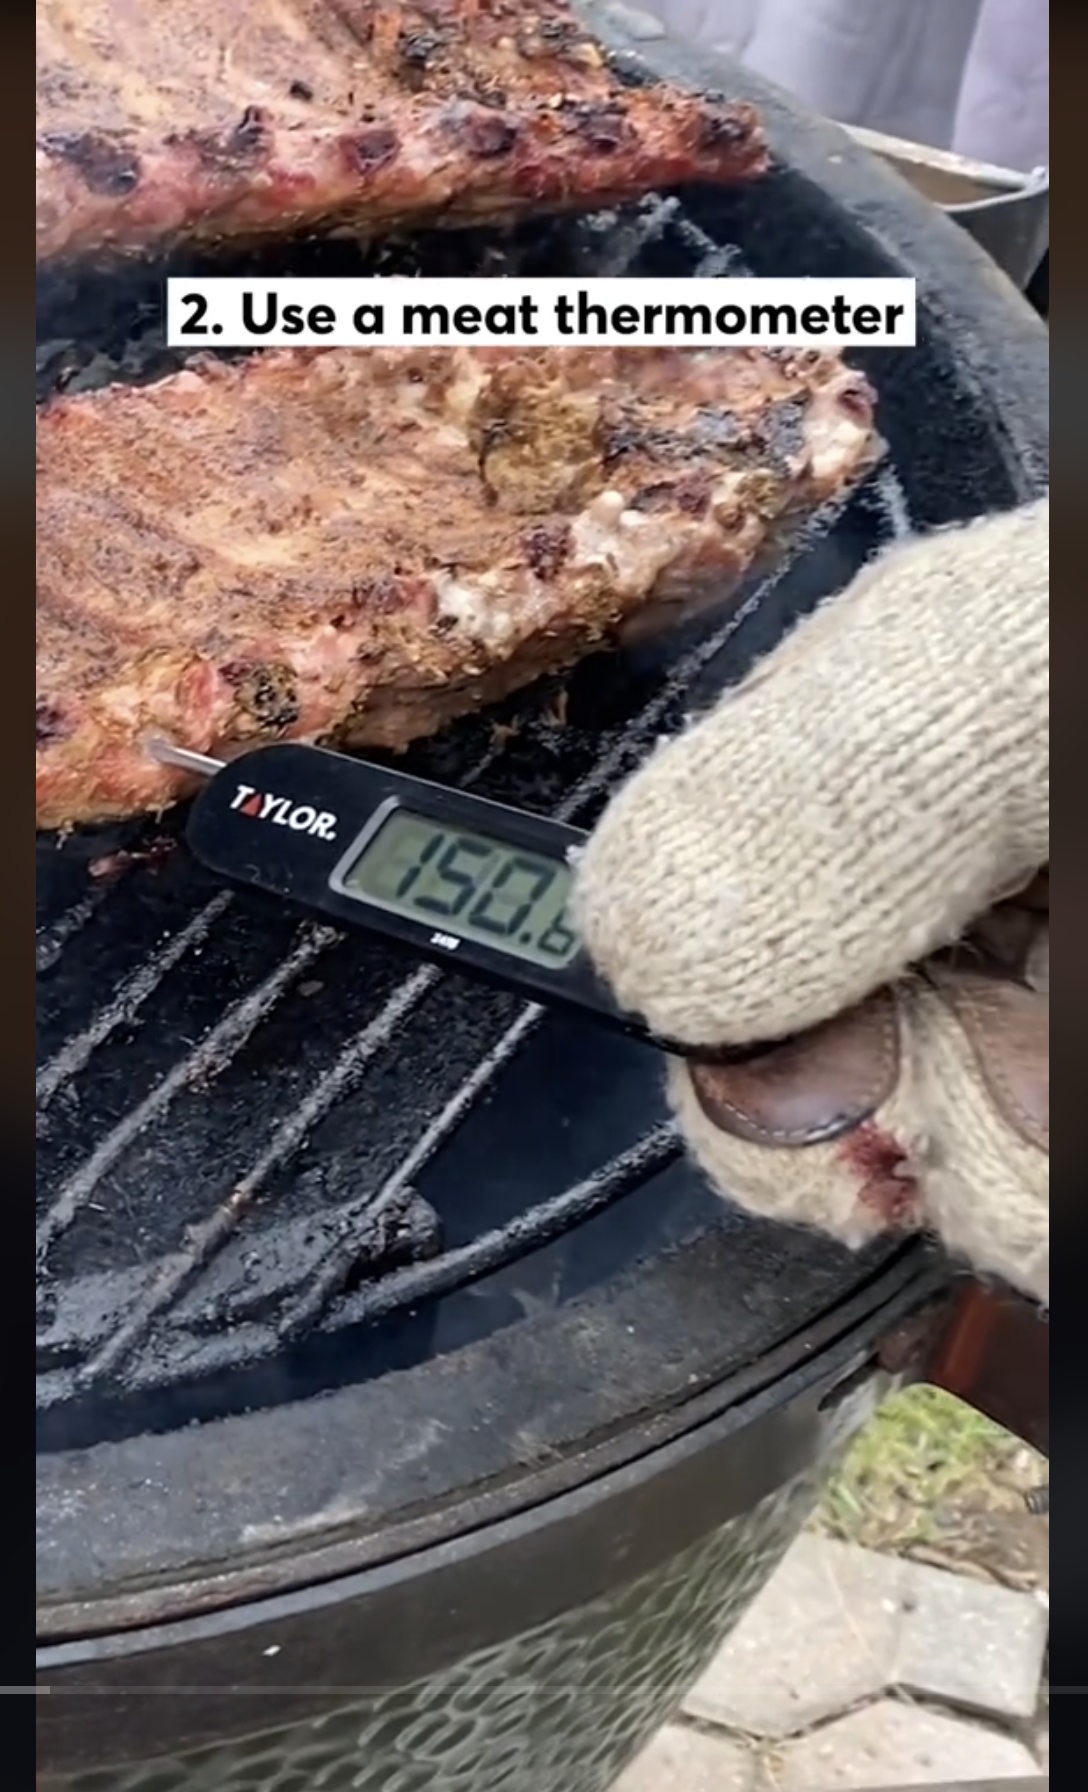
(812, 858)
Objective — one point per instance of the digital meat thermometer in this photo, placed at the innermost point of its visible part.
(456, 878)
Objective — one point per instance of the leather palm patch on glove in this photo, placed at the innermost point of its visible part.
(927, 1105)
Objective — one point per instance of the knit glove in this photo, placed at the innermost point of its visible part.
(809, 862)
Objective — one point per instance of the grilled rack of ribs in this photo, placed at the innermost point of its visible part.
(359, 546)
(216, 120)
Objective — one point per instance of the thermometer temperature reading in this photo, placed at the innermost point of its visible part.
(508, 898)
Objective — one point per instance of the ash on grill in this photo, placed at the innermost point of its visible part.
(238, 1117)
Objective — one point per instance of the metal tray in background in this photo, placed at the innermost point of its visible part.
(1007, 213)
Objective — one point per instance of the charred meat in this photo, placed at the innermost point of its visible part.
(331, 545)
(215, 120)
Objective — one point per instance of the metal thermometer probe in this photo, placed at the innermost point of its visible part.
(453, 877)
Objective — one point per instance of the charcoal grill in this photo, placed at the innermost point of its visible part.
(409, 1415)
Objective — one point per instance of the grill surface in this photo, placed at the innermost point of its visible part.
(265, 1151)
(243, 1122)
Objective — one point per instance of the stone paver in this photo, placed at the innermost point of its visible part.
(891, 1743)
(969, 1644)
(838, 1625)
(821, 1637)
(682, 1759)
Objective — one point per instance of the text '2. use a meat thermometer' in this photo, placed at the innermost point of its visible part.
(455, 878)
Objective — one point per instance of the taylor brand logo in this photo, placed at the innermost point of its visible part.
(301, 818)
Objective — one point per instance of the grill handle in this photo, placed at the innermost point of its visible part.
(989, 1347)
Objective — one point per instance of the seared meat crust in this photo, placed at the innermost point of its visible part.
(359, 546)
(208, 120)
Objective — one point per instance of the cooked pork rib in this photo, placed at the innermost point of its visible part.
(327, 544)
(203, 120)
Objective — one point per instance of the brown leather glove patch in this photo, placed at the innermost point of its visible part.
(816, 1087)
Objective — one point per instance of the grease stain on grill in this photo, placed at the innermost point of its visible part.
(252, 1288)
(111, 865)
(106, 165)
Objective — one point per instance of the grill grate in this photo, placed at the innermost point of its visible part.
(318, 1296)
(207, 1302)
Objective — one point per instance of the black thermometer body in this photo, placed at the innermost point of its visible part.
(456, 878)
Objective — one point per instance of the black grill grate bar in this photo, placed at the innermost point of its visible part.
(344, 1074)
(207, 1058)
(714, 261)
(326, 1280)
(613, 241)
(51, 940)
(492, 1250)
(208, 1237)
(126, 1002)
